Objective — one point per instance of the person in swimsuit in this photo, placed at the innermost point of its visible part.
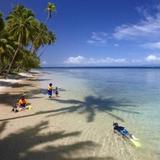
(121, 130)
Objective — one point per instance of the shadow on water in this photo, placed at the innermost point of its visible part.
(91, 105)
(19, 145)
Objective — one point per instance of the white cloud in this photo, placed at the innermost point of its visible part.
(153, 45)
(80, 60)
(75, 60)
(98, 38)
(84, 60)
(44, 62)
(149, 26)
(152, 58)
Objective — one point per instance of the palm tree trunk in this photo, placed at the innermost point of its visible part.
(42, 52)
(33, 50)
(14, 56)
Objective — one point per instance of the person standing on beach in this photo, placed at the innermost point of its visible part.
(50, 90)
(56, 92)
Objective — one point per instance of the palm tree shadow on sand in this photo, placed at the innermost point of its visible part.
(91, 105)
(19, 145)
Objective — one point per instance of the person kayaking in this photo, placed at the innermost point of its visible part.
(121, 130)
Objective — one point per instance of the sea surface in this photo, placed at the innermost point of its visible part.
(129, 96)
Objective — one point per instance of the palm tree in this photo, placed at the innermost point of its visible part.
(4, 46)
(50, 36)
(7, 47)
(45, 38)
(50, 9)
(42, 31)
(25, 60)
(1, 22)
(20, 24)
(36, 42)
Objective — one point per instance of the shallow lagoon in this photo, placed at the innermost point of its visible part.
(129, 96)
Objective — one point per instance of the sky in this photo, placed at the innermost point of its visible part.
(99, 32)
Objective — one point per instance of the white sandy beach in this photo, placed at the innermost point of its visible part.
(51, 130)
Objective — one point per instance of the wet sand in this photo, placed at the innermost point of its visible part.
(52, 130)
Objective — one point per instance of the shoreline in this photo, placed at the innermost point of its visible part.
(48, 131)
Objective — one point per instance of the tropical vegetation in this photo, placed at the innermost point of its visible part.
(22, 35)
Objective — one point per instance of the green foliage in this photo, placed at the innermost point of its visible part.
(43, 36)
(21, 35)
(20, 24)
(26, 61)
(50, 8)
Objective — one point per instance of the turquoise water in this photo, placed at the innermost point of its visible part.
(130, 95)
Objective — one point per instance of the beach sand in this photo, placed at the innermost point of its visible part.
(51, 129)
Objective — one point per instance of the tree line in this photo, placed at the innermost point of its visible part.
(21, 37)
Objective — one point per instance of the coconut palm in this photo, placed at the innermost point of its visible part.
(45, 38)
(20, 24)
(50, 9)
(41, 37)
(20, 31)
(50, 36)
(7, 47)
(25, 61)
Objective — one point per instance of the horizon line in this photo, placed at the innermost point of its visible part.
(158, 67)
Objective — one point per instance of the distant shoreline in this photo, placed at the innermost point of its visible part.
(106, 67)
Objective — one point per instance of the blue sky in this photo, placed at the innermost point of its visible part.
(99, 32)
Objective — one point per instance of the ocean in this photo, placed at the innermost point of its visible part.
(129, 96)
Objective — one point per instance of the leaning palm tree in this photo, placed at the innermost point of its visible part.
(7, 47)
(50, 9)
(50, 38)
(20, 24)
(38, 35)
(43, 36)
